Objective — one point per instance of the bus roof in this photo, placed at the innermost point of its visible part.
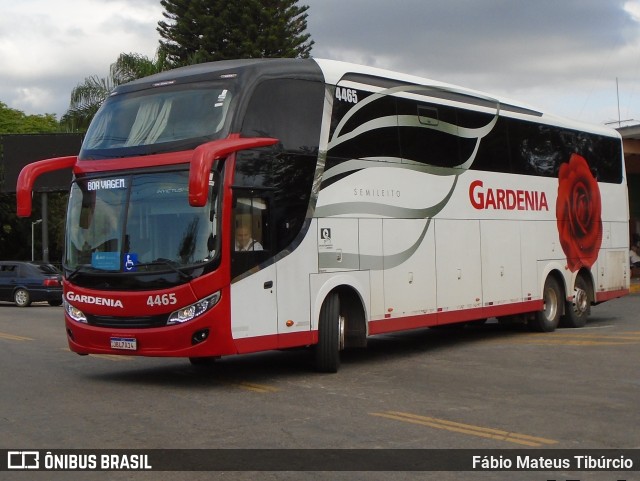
(334, 71)
(249, 71)
(244, 71)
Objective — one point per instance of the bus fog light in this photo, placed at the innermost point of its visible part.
(74, 313)
(199, 336)
(194, 310)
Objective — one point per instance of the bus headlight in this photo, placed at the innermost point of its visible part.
(194, 310)
(74, 313)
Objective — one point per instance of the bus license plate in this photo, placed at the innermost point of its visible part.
(126, 343)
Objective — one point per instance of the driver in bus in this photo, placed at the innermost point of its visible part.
(244, 241)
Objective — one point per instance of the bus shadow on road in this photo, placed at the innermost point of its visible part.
(260, 372)
(276, 367)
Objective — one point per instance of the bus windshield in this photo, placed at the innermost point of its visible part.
(156, 120)
(139, 223)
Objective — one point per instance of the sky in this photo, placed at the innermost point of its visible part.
(576, 58)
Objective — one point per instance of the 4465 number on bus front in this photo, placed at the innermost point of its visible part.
(162, 300)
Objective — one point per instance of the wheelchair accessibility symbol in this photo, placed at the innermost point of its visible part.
(131, 262)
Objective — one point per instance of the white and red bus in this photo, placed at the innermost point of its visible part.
(242, 206)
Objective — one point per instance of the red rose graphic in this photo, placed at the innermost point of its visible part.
(578, 213)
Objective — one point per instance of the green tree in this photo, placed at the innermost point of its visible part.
(87, 97)
(209, 30)
(14, 121)
(132, 66)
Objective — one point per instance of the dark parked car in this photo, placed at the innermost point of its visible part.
(27, 282)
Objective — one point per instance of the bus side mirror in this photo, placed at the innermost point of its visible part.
(206, 154)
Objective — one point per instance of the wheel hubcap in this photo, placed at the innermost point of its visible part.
(340, 333)
(550, 304)
(580, 301)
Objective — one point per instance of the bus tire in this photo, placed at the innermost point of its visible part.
(22, 298)
(330, 335)
(578, 308)
(548, 318)
(203, 361)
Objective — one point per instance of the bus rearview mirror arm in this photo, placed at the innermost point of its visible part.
(30, 173)
(206, 154)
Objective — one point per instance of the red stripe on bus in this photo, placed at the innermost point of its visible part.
(608, 295)
(450, 317)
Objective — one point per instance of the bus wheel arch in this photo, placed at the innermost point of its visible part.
(579, 300)
(554, 300)
(352, 309)
(341, 324)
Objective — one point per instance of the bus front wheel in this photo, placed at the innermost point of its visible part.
(548, 318)
(330, 335)
(203, 361)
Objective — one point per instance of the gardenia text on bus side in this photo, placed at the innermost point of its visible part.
(506, 199)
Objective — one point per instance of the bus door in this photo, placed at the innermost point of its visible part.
(254, 309)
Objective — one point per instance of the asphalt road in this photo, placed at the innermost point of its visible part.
(481, 387)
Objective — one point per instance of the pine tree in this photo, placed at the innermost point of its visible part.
(208, 30)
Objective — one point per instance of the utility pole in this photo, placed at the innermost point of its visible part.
(45, 227)
(618, 97)
(33, 238)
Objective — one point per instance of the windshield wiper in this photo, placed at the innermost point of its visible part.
(168, 263)
(78, 270)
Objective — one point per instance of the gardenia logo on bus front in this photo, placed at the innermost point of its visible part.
(98, 301)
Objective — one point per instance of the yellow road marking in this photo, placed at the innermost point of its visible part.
(255, 387)
(113, 357)
(573, 342)
(621, 335)
(108, 357)
(247, 386)
(480, 431)
(577, 339)
(13, 337)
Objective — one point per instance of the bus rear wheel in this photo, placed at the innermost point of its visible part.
(578, 309)
(331, 327)
(548, 318)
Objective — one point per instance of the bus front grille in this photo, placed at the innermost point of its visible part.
(127, 322)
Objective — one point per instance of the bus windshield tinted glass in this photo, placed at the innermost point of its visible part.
(139, 223)
(156, 120)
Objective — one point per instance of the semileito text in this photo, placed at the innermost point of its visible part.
(506, 199)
